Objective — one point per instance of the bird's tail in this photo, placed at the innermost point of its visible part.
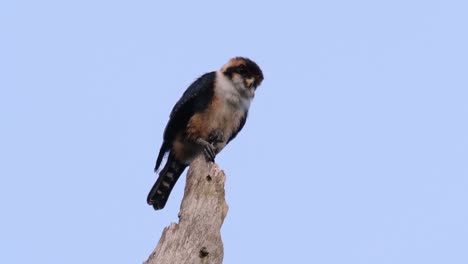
(168, 177)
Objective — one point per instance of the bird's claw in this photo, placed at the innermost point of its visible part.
(209, 152)
(208, 149)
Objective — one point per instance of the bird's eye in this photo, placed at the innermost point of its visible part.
(242, 70)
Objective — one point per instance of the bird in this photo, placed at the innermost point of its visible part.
(209, 115)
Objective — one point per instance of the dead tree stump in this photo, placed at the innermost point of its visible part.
(197, 236)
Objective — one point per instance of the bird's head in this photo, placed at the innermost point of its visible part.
(243, 72)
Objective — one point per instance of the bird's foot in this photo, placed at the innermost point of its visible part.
(208, 149)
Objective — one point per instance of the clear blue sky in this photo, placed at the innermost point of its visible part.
(355, 150)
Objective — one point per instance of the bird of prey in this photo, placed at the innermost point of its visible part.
(210, 113)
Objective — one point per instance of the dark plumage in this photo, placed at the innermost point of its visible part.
(195, 99)
(210, 113)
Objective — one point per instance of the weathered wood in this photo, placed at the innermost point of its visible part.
(197, 236)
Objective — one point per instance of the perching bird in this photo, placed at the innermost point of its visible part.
(208, 116)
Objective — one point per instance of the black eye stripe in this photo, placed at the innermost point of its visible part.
(242, 69)
(246, 71)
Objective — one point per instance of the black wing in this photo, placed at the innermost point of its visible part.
(195, 99)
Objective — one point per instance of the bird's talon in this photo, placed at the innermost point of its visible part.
(209, 153)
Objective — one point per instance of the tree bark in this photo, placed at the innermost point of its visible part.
(197, 236)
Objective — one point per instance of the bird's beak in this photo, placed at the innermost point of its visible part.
(249, 82)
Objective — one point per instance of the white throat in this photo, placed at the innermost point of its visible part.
(233, 91)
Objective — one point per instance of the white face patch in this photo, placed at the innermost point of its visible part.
(234, 91)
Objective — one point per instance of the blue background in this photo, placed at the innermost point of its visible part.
(355, 150)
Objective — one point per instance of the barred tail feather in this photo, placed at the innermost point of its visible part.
(167, 179)
(162, 151)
